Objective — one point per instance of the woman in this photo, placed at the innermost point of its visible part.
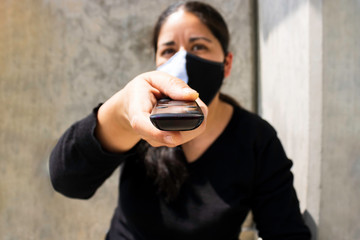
(197, 184)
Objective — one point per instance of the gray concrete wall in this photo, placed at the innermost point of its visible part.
(340, 191)
(283, 73)
(309, 90)
(58, 59)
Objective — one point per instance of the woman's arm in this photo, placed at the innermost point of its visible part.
(275, 204)
(78, 164)
(91, 149)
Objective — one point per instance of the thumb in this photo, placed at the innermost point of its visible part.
(171, 86)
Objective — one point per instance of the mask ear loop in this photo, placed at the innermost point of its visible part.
(225, 56)
(227, 63)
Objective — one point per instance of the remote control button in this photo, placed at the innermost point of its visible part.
(192, 112)
(164, 100)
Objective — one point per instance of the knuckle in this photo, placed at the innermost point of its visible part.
(174, 81)
(134, 123)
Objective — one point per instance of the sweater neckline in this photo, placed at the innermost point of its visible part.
(227, 131)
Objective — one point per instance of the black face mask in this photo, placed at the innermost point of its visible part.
(202, 75)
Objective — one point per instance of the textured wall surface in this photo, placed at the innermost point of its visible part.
(340, 171)
(310, 91)
(284, 85)
(58, 59)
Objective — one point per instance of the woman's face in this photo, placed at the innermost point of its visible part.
(184, 31)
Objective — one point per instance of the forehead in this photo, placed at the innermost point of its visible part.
(185, 24)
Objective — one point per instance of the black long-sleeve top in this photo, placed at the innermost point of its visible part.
(244, 169)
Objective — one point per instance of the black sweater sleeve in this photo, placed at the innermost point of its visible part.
(78, 164)
(275, 204)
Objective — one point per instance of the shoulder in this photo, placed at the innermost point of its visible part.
(247, 122)
(251, 125)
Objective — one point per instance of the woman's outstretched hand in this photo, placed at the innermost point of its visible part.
(124, 119)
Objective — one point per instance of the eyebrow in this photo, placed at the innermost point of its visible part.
(170, 43)
(192, 39)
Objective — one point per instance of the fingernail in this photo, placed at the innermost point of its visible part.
(189, 91)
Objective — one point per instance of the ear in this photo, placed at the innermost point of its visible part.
(228, 64)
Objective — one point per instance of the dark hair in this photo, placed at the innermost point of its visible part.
(209, 16)
(167, 166)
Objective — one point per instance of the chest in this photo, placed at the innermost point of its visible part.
(212, 203)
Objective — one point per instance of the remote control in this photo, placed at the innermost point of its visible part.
(173, 115)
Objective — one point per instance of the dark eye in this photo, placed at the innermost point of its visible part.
(168, 52)
(198, 47)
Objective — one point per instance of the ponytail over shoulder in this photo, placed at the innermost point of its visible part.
(166, 167)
